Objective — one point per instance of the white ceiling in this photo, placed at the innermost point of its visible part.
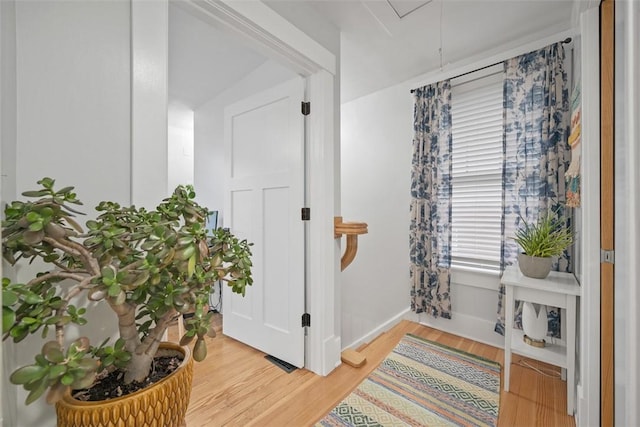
(378, 48)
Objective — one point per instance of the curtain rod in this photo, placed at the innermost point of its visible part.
(565, 41)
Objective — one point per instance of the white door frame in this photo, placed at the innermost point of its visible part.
(279, 39)
(588, 390)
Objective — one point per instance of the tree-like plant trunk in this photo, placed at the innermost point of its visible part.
(142, 356)
(126, 324)
(138, 367)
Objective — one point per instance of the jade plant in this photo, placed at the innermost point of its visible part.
(147, 266)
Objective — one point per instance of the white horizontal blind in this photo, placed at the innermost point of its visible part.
(477, 129)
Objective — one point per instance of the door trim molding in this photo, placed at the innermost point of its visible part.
(261, 26)
(607, 332)
(588, 402)
(277, 38)
(324, 252)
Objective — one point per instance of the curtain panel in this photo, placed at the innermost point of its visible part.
(430, 229)
(536, 115)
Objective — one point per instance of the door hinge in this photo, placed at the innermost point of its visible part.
(306, 320)
(306, 108)
(305, 214)
(607, 256)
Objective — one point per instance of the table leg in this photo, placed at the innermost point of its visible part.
(508, 326)
(571, 353)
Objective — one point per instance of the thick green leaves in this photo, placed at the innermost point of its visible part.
(108, 272)
(27, 374)
(40, 193)
(114, 290)
(31, 298)
(200, 350)
(52, 352)
(47, 182)
(83, 382)
(19, 332)
(119, 345)
(8, 319)
(186, 252)
(36, 392)
(186, 339)
(8, 298)
(57, 371)
(67, 379)
(191, 266)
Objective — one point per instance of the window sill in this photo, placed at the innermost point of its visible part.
(476, 278)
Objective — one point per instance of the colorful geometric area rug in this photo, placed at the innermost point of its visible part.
(423, 383)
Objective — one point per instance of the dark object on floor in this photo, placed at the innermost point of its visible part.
(287, 367)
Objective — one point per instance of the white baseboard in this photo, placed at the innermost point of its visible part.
(379, 330)
(473, 328)
(412, 316)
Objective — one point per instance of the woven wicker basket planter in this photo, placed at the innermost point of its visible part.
(164, 404)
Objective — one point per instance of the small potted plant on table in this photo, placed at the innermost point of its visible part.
(148, 267)
(540, 241)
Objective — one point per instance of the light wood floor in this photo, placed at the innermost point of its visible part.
(237, 386)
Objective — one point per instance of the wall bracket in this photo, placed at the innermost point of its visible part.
(351, 230)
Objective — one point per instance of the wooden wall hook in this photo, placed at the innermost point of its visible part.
(351, 230)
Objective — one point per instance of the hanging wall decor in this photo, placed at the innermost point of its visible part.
(573, 172)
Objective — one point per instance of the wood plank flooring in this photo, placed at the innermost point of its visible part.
(237, 386)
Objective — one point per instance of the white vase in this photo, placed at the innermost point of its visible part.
(534, 322)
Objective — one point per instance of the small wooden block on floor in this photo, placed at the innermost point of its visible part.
(353, 358)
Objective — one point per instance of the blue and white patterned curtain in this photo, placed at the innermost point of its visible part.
(430, 229)
(536, 104)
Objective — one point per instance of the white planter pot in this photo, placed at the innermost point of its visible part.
(534, 322)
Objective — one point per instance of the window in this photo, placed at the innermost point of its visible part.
(477, 132)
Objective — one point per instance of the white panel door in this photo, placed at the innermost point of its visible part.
(264, 139)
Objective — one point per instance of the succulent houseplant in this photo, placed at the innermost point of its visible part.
(148, 267)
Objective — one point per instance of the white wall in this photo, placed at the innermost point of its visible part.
(149, 50)
(376, 147)
(73, 120)
(179, 146)
(8, 157)
(209, 133)
(8, 116)
(73, 96)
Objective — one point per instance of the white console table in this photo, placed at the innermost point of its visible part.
(557, 290)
